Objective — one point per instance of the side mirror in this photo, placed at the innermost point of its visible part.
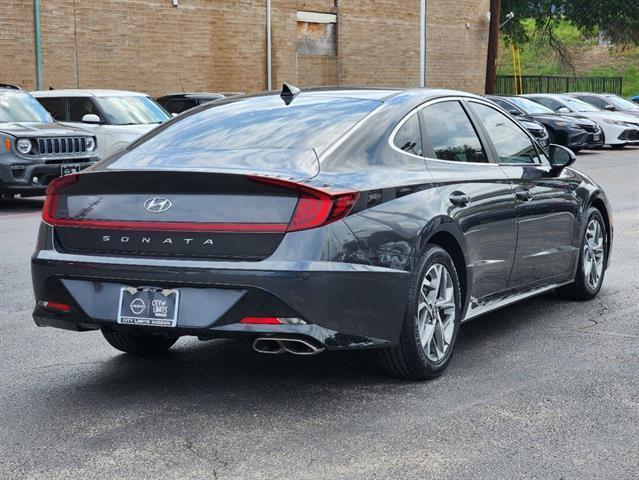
(560, 156)
(514, 113)
(562, 110)
(610, 107)
(174, 114)
(91, 118)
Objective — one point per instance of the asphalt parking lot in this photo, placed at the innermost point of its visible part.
(543, 389)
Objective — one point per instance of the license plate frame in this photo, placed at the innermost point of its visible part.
(148, 307)
(69, 169)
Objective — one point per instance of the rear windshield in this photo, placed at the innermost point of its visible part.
(253, 123)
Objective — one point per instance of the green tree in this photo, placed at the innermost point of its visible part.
(618, 20)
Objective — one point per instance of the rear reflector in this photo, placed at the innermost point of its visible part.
(55, 306)
(316, 207)
(261, 320)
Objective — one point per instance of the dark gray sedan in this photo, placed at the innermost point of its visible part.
(322, 219)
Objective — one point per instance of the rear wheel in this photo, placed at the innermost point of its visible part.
(592, 260)
(138, 343)
(431, 322)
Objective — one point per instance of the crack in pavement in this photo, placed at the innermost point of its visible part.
(189, 445)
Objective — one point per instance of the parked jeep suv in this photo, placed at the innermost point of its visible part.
(33, 148)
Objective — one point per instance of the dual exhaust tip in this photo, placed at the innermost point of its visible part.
(296, 346)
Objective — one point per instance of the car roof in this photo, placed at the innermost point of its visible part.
(368, 93)
(600, 94)
(193, 95)
(68, 92)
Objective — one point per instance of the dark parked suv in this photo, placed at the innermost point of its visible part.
(320, 220)
(576, 133)
(34, 149)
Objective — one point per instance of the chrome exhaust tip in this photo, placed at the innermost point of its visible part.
(295, 346)
(268, 345)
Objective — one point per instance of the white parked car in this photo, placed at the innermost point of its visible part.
(619, 129)
(115, 117)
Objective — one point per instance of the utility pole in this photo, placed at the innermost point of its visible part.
(493, 44)
(422, 43)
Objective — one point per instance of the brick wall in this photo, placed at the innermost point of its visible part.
(209, 45)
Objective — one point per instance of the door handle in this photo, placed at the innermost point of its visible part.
(523, 194)
(459, 198)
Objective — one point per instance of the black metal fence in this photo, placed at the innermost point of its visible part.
(552, 84)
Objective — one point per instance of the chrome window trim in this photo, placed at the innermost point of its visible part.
(391, 138)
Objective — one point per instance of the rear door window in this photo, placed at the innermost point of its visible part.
(409, 137)
(451, 133)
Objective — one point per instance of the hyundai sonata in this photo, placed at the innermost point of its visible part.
(320, 220)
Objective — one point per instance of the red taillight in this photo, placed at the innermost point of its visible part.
(55, 306)
(315, 207)
(261, 320)
(50, 216)
(53, 190)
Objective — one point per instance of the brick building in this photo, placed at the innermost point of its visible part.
(220, 45)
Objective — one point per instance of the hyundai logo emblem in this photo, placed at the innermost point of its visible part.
(157, 205)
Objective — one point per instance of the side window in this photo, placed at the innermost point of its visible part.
(596, 101)
(506, 106)
(510, 141)
(179, 105)
(79, 107)
(452, 134)
(56, 107)
(548, 102)
(501, 103)
(409, 137)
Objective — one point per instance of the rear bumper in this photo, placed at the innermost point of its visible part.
(345, 305)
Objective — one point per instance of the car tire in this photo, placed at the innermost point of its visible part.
(138, 343)
(618, 146)
(431, 322)
(593, 259)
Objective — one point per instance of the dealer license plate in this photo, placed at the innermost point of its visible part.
(596, 137)
(150, 307)
(69, 169)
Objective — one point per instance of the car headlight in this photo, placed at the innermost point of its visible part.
(90, 144)
(23, 145)
(616, 122)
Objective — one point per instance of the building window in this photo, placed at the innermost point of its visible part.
(316, 33)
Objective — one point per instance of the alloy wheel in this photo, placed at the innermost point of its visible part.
(436, 312)
(593, 253)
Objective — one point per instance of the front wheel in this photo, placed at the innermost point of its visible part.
(618, 146)
(138, 343)
(431, 322)
(592, 260)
